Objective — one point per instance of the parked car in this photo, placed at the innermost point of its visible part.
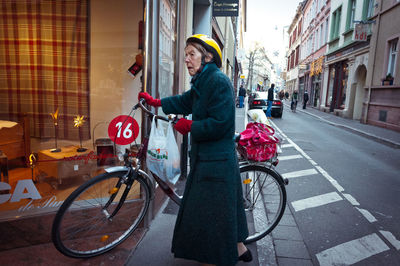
(260, 101)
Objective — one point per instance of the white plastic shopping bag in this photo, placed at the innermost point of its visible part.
(163, 157)
(172, 164)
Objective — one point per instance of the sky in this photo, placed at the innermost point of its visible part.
(266, 20)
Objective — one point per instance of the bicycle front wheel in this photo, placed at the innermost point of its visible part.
(264, 197)
(83, 226)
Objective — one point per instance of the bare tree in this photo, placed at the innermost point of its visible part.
(254, 59)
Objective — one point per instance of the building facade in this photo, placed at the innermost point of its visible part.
(381, 105)
(89, 60)
(346, 59)
(293, 53)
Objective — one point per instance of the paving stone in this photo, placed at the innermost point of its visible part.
(287, 219)
(291, 249)
(293, 262)
(286, 233)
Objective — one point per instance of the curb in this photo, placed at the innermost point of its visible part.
(382, 140)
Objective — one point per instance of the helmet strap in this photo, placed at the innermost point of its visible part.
(203, 63)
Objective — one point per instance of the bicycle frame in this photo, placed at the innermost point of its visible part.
(133, 171)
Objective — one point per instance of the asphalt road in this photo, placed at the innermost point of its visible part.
(344, 192)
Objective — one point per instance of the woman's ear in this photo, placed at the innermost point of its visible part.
(209, 57)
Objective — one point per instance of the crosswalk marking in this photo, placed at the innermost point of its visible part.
(300, 173)
(289, 157)
(391, 238)
(367, 215)
(286, 146)
(353, 251)
(316, 201)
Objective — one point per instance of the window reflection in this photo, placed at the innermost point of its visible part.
(167, 42)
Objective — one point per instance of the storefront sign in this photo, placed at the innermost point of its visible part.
(25, 189)
(360, 32)
(316, 66)
(225, 8)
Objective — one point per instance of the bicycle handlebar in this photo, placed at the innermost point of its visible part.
(141, 105)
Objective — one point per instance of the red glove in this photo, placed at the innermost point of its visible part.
(149, 100)
(183, 126)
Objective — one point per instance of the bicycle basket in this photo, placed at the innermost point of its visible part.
(257, 142)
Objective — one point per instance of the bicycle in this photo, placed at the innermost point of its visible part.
(104, 211)
(293, 106)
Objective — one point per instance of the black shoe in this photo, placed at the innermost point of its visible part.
(246, 257)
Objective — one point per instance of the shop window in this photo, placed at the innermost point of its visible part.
(167, 44)
(332, 72)
(44, 59)
(343, 89)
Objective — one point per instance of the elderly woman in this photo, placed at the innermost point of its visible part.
(211, 224)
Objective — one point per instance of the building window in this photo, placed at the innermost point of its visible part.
(369, 8)
(321, 35)
(336, 23)
(326, 30)
(351, 14)
(393, 49)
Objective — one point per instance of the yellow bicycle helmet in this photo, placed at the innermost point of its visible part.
(209, 44)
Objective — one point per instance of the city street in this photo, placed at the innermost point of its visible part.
(343, 191)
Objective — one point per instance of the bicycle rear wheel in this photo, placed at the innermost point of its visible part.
(82, 227)
(264, 196)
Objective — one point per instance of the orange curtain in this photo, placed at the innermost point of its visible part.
(44, 64)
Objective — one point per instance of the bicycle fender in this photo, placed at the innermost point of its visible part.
(117, 169)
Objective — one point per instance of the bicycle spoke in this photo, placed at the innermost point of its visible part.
(266, 198)
(85, 228)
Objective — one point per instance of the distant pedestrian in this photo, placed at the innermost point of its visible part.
(242, 95)
(287, 95)
(293, 104)
(281, 95)
(270, 99)
(305, 99)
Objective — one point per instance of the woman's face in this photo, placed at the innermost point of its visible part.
(192, 59)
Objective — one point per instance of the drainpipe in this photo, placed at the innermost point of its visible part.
(147, 46)
(146, 76)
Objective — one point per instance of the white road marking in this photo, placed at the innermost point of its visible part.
(367, 215)
(353, 251)
(300, 173)
(316, 201)
(391, 238)
(352, 200)
(289, 157)
(313, 163)
(330, 179)
(286, 146)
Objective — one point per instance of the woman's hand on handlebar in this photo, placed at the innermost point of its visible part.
(149, 100)
(183, 126)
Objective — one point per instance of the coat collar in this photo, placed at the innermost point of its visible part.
(195, 82)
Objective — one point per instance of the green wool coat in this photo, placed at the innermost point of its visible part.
(211, 219)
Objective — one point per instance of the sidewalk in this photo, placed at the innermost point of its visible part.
(383, 135)
(283, 247)
(155, 247)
